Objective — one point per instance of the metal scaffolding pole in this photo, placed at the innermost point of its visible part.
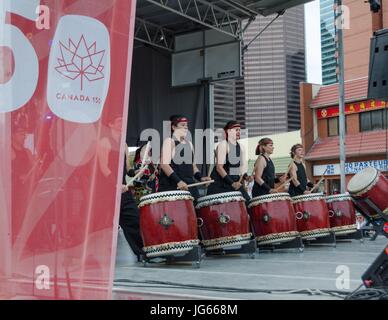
(340, 50)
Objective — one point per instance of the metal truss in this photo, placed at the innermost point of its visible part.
(153, 34)
(204, 13)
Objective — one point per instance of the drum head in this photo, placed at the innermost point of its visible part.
(272, 196)
(338, 197)
(165, 196)
(218, 198)
(308, 197)
(362, 180)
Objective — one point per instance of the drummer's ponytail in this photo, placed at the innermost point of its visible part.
(263, 142)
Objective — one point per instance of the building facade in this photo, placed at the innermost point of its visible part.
(366, 140)
(328, 43)
(366, 120)
(267, 98)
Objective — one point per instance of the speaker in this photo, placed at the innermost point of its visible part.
(378, 66)
(377, 274)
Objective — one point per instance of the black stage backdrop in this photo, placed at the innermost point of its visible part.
(152, 99)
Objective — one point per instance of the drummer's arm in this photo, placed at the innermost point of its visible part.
(166, 156)
(244, 162)
(309, 183)
(259, 173)
(165, 160)
(221, 159)
(294, 178)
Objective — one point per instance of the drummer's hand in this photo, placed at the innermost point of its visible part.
(203, 179)
(182, 186)
(273, 191)
(236, 185)
(282, 179)
(307, 192)
(124, 188)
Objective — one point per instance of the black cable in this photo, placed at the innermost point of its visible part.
(153, 284)
(378, 293)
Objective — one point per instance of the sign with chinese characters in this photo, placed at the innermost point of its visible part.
(350, 167)
(333, 111)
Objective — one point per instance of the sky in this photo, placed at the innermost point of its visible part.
(313, 42)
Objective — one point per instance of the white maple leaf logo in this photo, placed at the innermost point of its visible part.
(81, 61)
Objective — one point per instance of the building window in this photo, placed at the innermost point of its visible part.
(372, 120)
(333, 126)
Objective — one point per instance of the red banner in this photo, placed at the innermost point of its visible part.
(350, 108)
(64, 91)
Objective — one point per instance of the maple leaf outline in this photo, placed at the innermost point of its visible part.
(80, 61)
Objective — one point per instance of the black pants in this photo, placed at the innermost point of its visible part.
(129, 222)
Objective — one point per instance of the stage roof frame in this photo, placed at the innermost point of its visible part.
(159, 21)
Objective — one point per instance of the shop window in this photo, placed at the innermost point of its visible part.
(373, 120)
(334, 186)
(333, 126)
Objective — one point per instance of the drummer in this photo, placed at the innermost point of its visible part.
(264, 169)
(178, 169)
(230, 167)
(299, 182)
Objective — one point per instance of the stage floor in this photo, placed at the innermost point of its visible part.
(240, 277)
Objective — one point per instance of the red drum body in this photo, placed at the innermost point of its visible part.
(342, 214)
(224, 220)
(312, 216)
(168, 223)
(273, 218)
(372, 185)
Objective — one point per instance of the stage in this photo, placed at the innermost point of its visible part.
(290, 274)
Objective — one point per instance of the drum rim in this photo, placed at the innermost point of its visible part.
(283, 196)
(162, 194)
(219, 195)
(236, 197)
(369, 185)
(342, 196)
(271, 195)
(308, 196)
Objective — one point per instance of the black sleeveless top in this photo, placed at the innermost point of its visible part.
(182, 164)
(269, 178)
(302, 178)
(231, 167)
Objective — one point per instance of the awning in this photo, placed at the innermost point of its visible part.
(355, 90)
(357, 145)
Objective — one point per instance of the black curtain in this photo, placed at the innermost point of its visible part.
(152, 99)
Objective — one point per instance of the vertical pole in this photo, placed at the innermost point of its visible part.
(211, 127)
(339, 25)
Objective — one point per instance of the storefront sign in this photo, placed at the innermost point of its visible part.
(350, 108)
(350, 167)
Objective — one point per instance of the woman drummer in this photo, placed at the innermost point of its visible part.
(264, 169)
(299, 182)
(178, 169)
(230, 163)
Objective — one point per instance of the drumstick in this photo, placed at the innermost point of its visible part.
(141, 171)
(319, 182)
(143, 166)
(283, 184)
(147, 150)
(200, 183)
